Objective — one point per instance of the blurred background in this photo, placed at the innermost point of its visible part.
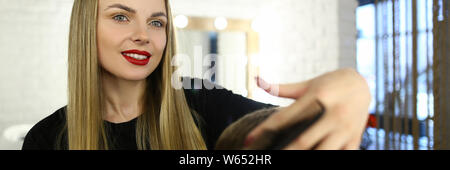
(399, 46)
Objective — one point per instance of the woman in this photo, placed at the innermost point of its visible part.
(120, 94)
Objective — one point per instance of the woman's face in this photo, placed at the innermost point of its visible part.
(131, 37)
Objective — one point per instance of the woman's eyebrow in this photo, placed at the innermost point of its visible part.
(158, 14)
(121, 7)
(131, 10)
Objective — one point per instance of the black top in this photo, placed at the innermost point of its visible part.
(217, 107)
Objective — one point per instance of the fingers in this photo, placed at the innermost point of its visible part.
(325, 136)
(354, 144)
(335, 141)
(313, 135)
(262, 84)
(293, 91)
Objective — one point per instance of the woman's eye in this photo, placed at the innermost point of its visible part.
(158, 24)
(120, 18)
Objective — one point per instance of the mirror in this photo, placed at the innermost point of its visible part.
(222, 56)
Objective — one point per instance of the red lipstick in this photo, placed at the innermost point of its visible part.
(136, 57)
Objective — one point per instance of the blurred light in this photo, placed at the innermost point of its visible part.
(221, 23)
(244, 60)
(181, 21)
(256, 60)
(16, 133)
(256, 25)
(244, 92)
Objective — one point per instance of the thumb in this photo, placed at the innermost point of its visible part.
(293, 90)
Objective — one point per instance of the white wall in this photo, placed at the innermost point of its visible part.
(33, 45)
(231, 62)
(303, 38)
(191, 44)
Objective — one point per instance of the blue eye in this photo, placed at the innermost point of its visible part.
(120, 18)
(158, 24)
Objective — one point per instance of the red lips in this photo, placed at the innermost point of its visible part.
(135, 61)
(145, 53)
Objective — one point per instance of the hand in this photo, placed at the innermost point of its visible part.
(345, 97)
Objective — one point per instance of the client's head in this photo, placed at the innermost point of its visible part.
(233, 136)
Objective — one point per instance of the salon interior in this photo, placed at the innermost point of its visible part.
(395, 44)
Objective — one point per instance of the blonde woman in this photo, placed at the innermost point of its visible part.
(120, 94)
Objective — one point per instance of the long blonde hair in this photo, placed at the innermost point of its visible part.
(167, 122)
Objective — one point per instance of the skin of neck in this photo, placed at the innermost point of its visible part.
(122, 98)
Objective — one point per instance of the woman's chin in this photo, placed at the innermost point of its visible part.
(136, 76)
(126, 72)
(129, 75)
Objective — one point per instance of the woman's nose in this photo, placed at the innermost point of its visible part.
(141, 36)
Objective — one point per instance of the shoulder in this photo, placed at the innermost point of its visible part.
(209, 97)
(190, 83)
(204, 90)
(44, 134)
(199, 90)
(55, 119)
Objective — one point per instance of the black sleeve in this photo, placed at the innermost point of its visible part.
(29, 143)
(44, 135)
(33, 141)
(218, 107)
